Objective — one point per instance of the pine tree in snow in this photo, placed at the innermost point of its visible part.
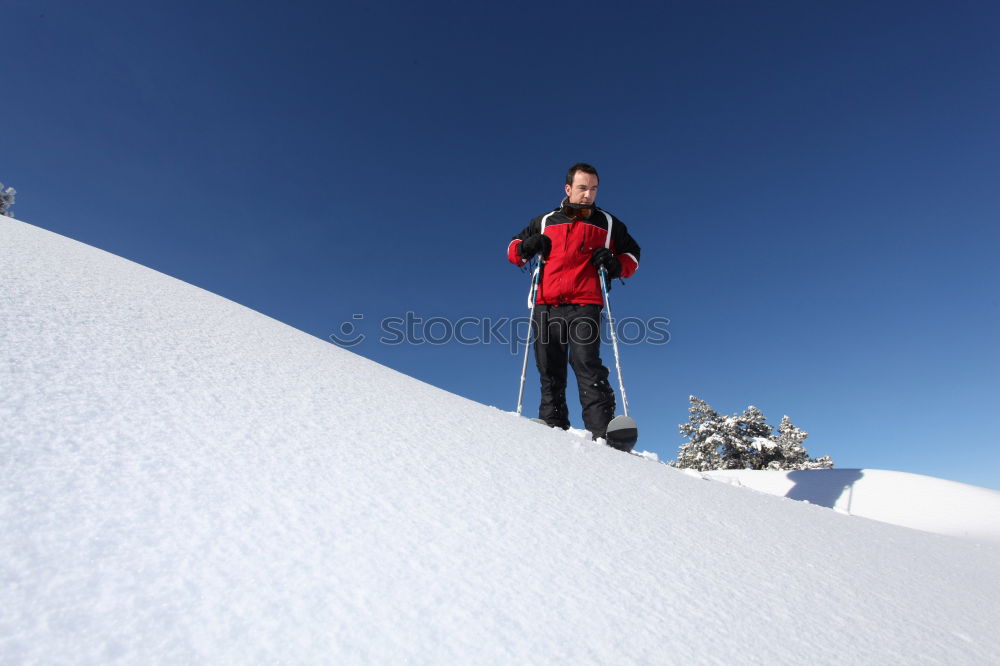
(6, 200)
(750, 437)
(742, 441)
(792, 454)
(702, 429)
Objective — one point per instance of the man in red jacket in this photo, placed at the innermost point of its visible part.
(574, 241)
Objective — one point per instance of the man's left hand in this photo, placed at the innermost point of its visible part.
(602, 256)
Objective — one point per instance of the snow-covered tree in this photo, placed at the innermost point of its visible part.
(6, 200)
(702, 428)
(792, 454)
(742, 441)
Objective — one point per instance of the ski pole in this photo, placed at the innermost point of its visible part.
(614, 338)
(532, 296)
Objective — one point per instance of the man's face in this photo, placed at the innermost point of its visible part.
(584, 188)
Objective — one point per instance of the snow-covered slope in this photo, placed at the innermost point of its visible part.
(183, 480)
(912, 500)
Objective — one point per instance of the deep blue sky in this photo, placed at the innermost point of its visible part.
(814, 186)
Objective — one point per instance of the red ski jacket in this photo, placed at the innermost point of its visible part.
(567, 275)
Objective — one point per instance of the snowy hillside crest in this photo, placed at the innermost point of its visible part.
(184, 480)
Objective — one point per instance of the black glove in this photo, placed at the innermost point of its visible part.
(536, 244)
(602, 257)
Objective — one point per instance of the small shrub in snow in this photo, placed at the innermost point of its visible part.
(6, 200)
(742, 441)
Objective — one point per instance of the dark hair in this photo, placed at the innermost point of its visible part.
(580, 166)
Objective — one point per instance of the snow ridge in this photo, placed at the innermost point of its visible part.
(185, 480)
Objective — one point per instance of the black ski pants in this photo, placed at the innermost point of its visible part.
(572, 333)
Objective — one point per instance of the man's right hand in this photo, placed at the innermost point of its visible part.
(536, 244)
